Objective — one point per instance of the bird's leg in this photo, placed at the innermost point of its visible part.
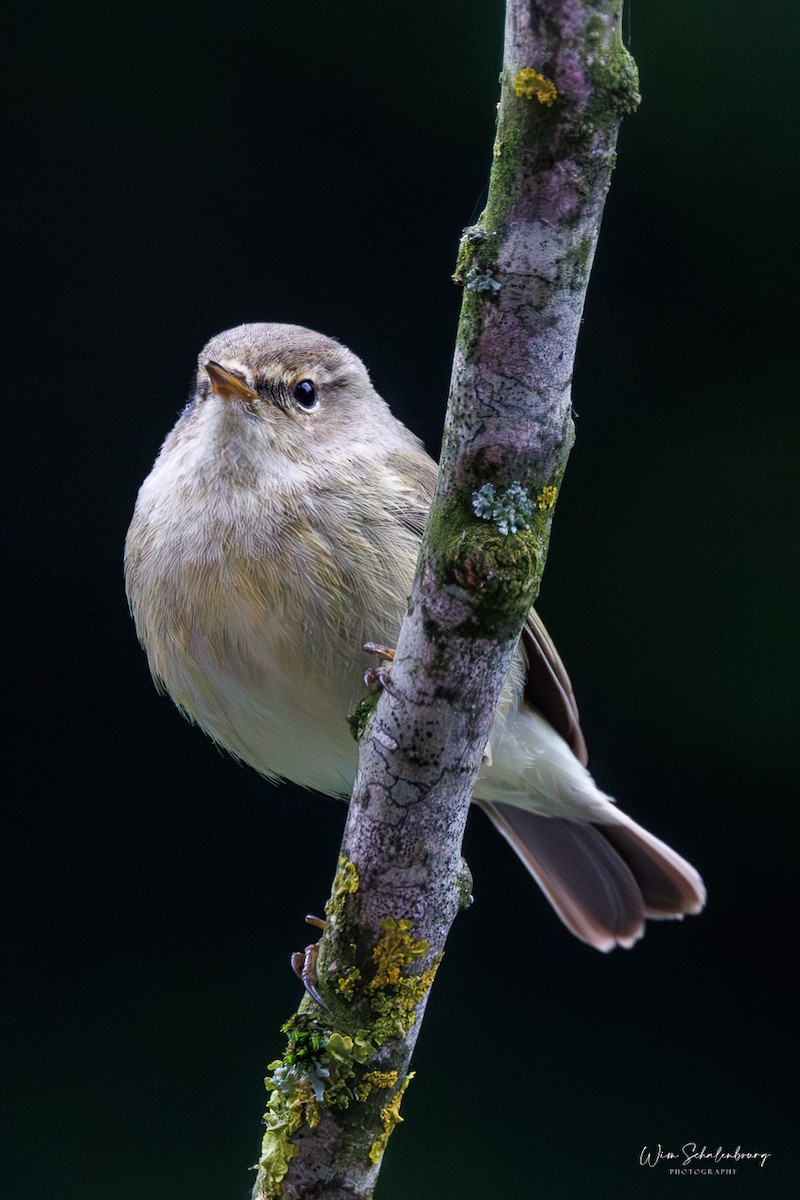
(304, 965)
(378, 676)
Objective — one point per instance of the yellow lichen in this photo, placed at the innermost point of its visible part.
(533, 86)
(390, 1116)
(381, 1079)
(306, 1102)
(394, 996)
(344, 885)
(375, 1079)
(395, 950)
(328, 1069)
(346, 984)
(547, 497)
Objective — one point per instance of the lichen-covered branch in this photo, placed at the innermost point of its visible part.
(335, 1095)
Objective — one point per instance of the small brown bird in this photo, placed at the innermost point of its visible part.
(277, 532)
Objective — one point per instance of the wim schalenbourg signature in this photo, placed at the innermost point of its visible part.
(690, 1153)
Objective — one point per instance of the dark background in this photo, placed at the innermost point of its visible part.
(174, 171)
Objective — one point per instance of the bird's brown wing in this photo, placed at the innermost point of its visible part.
(547, 685)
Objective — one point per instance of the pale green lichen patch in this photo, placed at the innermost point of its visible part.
(318, 1070)
(533, 86)
(342, 1054)
(476, 280)
(296, 1086)
(277, 1151)
(390, 1116)
(508, 510)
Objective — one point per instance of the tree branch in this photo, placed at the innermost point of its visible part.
(567, 80)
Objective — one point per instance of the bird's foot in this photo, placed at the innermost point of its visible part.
(304, 965)
(379, 676)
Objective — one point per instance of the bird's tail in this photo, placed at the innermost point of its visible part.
(601, 879)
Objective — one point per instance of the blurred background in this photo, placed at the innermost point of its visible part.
(173, 171)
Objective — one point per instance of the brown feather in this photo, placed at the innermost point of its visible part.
(589, 886)
(547, 685)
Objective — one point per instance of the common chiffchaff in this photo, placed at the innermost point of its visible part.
(276, 533)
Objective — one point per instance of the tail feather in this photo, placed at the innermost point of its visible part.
(602, 880)
(670, 886)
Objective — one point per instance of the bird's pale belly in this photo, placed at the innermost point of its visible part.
(265, 695)
(261, 689)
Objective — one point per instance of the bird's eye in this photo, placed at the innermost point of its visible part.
(305, 394)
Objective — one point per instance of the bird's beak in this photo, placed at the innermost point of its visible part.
(228, 385)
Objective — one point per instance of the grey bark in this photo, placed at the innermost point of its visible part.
(524, 269)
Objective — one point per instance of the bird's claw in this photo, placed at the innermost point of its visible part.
(375, 677)
(304, 965)
(377, 648)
